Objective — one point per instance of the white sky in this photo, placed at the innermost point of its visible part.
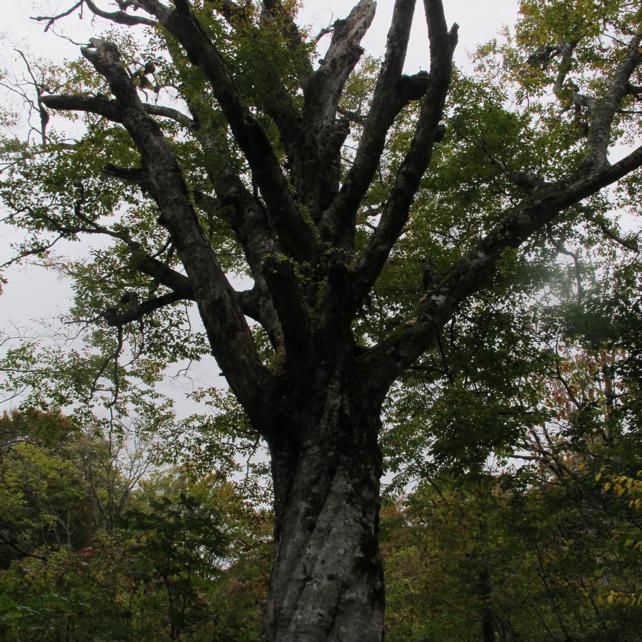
(33, 294)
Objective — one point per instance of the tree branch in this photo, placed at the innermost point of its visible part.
(470, 274)
(318, 169)
(230, 10)
(339, 221)
(120, 17)
(250, 222)
(227, 330)
(109, 108)
(602, 110)
(258, 306)
(91, 104)
(51, 20)
(324, 87)
(296, 237)
(119, 318)
(566, 49)
(290, 307)
(427, 132)
(274, 10)
(630, 243)
(163, 274)
(278, 103)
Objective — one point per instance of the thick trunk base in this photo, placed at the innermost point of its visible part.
(327, 580)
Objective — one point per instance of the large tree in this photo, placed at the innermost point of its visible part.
(317, 179)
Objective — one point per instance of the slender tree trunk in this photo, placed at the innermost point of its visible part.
(487, 617)
(327, 579)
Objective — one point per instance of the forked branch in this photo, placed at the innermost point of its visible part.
(417, 159)
(339, 221)
(295, 235)
(225, 324)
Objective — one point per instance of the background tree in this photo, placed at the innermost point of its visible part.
(246, 169)
(181, 556)
(517, 530)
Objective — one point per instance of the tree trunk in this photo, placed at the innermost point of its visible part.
(327, 578)
(487, 617)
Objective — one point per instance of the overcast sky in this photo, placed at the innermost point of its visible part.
(479, 20)
(33, 294)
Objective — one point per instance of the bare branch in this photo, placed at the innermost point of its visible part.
(427, 132)
(388, 100)
(109, 108)
(323, 89)
(171, 113)
(92, 104)
(51, 20)
(120, 17)
(44, 115)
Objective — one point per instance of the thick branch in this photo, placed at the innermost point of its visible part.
(602, 110)
(296, 237)
(274, 10)
(278, 102)
(395, 215)
(110, 109)
(258, 306)
(226, 327)
(163, 274)
(566, 49)
(323, 89)
(290, 307)
(95, 105)
(317, 168)
(250, 222)
(171, 113)
(338, 223)
(474, 271)
(118, 318)
(234, 201)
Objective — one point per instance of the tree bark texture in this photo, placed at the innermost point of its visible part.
(327, 579)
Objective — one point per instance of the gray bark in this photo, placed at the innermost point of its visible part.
(327, 579)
